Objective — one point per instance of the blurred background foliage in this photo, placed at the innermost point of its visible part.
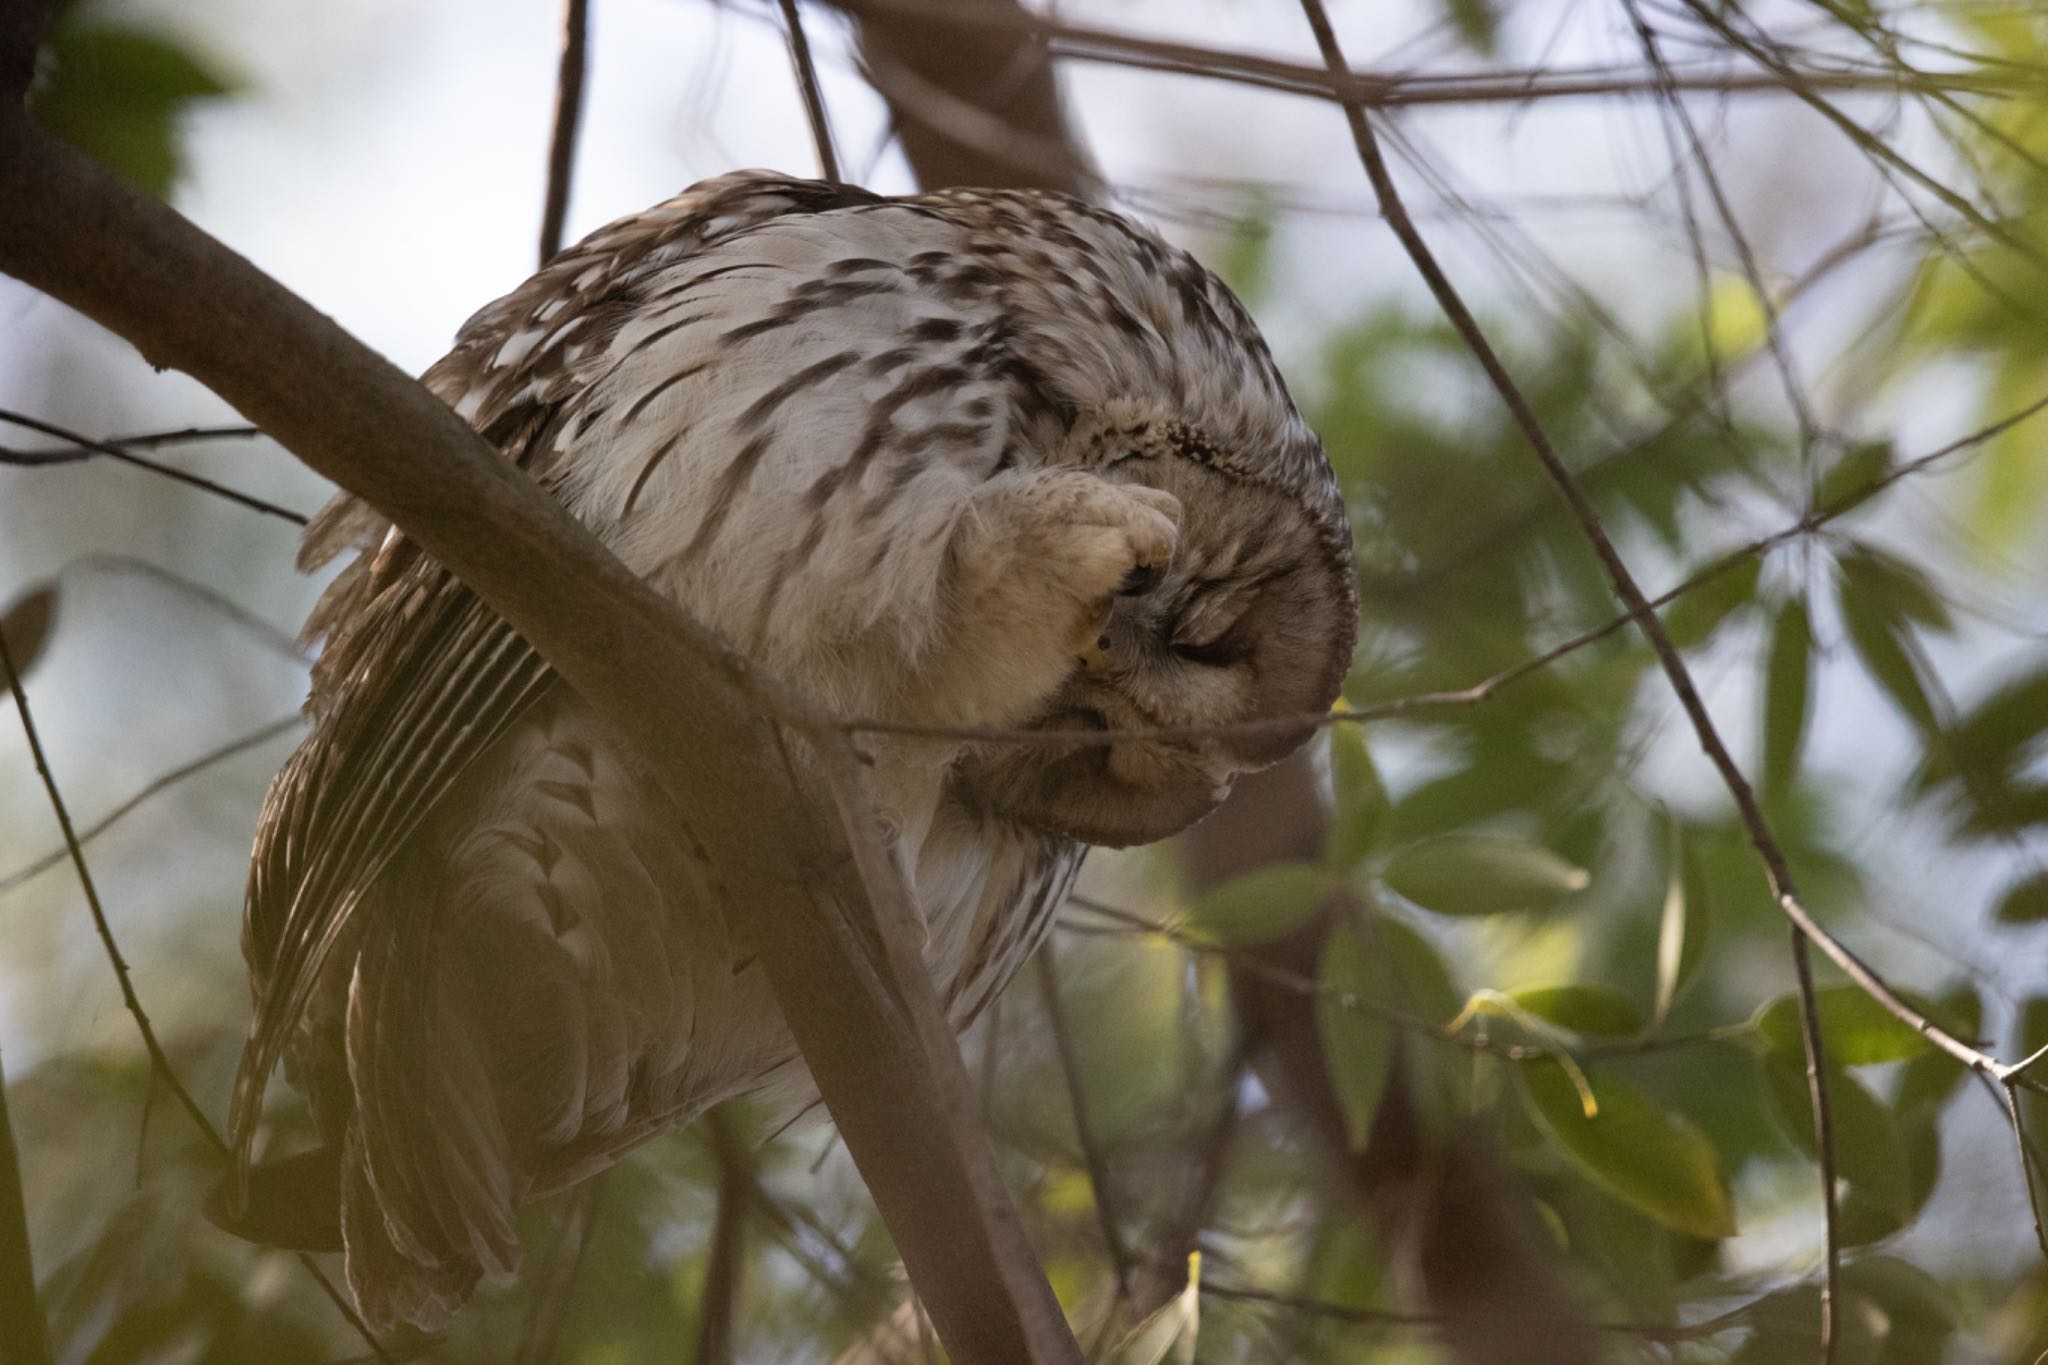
(1529, 916)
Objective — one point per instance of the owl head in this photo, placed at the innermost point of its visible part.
(1253, 620)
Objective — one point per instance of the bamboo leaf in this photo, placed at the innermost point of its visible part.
(1856, 1029)
(1788, 695)
(1265, 904)
(1361, 805)
(1656, 1162)
(1869, 1151)
(1481, 874)
(1584, 1007)
(1358, 1043)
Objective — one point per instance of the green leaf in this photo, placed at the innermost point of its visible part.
(1998, 738)
(1854, 1027)
(1583, 1007)
(26, 626)
(1362, 807)
(1358, 1042)
(1477, 22)
(2025, 902)
(115, 93)
(1700, 612)
(1788, 693)
(1656, 1162)
(1849, 481)
(1682, 926)
(1882, 636)
(1265, 904)
(1899, 585)
(1870, 1153)
(1481, 874)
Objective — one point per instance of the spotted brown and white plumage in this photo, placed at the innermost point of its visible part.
(986, 458)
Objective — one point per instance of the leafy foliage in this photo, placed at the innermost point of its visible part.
(116, 93)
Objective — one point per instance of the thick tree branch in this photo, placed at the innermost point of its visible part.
(828, 915)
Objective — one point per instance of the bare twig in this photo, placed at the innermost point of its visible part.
(148, 440)
(1092, 1156)
(33, 459)
(161, 782)
(568, 118)
(276, 640)
(160, 1062)
(26, 1340)
(1823, 1139)
(1393, 91)
(814, 97)
(1774, 338)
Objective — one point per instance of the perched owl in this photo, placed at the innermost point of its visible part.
(971, 459)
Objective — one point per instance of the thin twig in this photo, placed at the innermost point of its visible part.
(160, 1063)
(161, 782)
(568, 118)
(32, 459)
(158, 1060)
(276, 640)
(148, 440)
(1774, 336)
(1801, 85)
(1403, 90)
(1823, 1139)
(1092, 1155)
(26, 1340)
(814, 98)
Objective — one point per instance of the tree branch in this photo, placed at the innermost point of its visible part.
(813, 96)
(568, 118)
(829, 916)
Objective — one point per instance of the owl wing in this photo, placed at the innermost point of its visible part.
(419, 676)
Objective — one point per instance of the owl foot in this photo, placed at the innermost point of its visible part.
(1039, 561)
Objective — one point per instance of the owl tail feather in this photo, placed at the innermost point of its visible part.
(293, 1202)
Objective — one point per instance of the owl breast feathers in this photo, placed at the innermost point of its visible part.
(980, 459)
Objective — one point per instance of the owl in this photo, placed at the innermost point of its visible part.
(964, 460)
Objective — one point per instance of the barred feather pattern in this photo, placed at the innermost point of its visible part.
(973, 458)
